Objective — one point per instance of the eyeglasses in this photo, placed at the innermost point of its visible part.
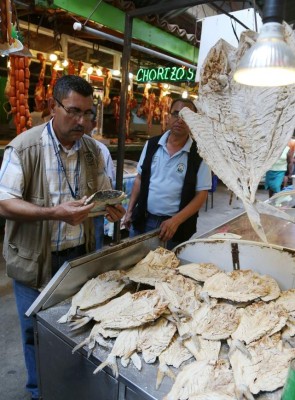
(76, 113)
(175, 114)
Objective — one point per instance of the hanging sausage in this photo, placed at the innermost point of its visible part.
(19, 80)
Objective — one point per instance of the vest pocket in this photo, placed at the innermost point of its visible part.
(23, 265)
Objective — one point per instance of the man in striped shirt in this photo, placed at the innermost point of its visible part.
(46, 174)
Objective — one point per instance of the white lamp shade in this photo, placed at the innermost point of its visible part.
(269, 62)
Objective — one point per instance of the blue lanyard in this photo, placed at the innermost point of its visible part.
(60, 163)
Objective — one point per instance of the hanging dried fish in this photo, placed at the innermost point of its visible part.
(241, 130)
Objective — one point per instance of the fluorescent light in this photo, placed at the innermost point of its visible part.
(269, 62)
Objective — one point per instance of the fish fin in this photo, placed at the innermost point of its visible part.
(125, 361)
(79, 345)
(109, 362)
(163, 371)
(136, 361)
(68, 316)
(79, 323)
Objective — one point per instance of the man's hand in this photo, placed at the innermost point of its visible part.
(72, 212)
(128, 220)
(168, 228)
(115, 212)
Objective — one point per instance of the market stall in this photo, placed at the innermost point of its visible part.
(66, 375)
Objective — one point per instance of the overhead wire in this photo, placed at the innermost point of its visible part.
(95, 8)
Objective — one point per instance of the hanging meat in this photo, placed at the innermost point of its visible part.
(55, 74)
(71, 68)
(241, 130)
(80, 68)
(19, 80)
(151, 108)
(106, 99)
(40, 91)
(165, 104)
(131, 104)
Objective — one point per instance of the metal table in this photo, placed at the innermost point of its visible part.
(63, 375)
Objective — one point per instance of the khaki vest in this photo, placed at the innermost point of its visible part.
(27, 245)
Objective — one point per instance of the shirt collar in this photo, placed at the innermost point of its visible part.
(163, 140)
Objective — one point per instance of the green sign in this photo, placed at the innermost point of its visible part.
(162, 74)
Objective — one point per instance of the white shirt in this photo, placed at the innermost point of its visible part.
(109, 165)
(167, 177)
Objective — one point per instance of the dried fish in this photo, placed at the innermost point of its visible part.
(98, 313)
(147, 306)
(155, 267)
(241, 130)
(182, 294)
(260, 319)
(239, 285)
(218, 323)
(268, 367)
(96, 291)
(199, 271)
(174, 324)
(193, 378)
(175, 354)
(104, 198)
(287, 300)
(201, 377)
(124, 346)
(154, 338)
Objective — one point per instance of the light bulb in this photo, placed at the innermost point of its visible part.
(99, 72)
(65, 63)
(89, 70)
(53, 57)
(269, 62)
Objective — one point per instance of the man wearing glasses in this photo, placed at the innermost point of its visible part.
(172, 183)
(46, 174)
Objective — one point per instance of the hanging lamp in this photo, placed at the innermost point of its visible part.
(270, 61)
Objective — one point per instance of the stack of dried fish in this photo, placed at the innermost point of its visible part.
(241, 130)
(231, 330)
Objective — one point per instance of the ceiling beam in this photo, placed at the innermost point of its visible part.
(113, 18)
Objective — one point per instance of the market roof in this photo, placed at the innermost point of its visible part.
(180, 19)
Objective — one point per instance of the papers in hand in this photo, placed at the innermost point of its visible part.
(102, 199)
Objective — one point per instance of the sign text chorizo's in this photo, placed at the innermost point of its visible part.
(161, 74)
